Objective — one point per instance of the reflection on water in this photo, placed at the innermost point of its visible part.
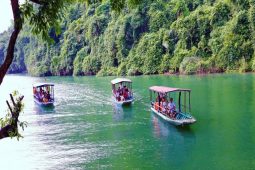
(85, 130)
(163, 128)
(122, 112)
(43, 110)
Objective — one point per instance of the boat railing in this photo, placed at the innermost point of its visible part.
(185, 109)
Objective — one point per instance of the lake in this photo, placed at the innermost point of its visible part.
(86, 131)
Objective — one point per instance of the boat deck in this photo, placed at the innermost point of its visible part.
(180, 119)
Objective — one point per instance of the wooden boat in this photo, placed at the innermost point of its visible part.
(43, 94)
(122, 91)
(177, 115)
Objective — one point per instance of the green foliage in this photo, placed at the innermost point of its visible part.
(165, 64)
(108, 71)
(149, 38)
(189, 65)
(253, 64)
(78, 61)
(221, 13)
(146, 56)
(91, 65)
(122, 69)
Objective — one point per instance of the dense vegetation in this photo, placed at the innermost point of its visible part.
(164, 36)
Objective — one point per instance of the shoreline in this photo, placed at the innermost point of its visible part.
(163, 74)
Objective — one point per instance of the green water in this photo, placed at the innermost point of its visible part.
(86, 131)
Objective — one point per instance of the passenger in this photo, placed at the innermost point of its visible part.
(40, 94)
(164, 105)
(117, 95)
(171, 107)
(45, 100)
(156, 105)
(34, 90)
(48, 96)
(129, 94)
(125, 94)
(122, 98)
(121, 88)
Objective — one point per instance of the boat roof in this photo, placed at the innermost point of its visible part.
(42, 84)
(164, 89)
(119, 80)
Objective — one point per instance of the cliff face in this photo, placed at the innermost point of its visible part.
(155, 37)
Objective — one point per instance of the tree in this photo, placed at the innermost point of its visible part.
(43, 15)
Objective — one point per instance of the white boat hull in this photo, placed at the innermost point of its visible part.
(45, 104)
(126, 102)
(176, 122)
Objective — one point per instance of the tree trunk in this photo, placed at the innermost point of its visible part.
(12, 128)
(11, 46)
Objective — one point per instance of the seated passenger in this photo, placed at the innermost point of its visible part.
(48, 96)
(164, 105)
(129, 95)
(117, 95)
(171, 108)
(125, 94)
(156, 106)
(122, 98)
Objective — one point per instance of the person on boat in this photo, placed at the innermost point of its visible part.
(164, 105)
(41, 94)
(125, 93)
(158, 104)
(121, 88)
(129, 94)
(34, 90)
(171, 107)
(48, 96)
(122, 98)
(117, 95)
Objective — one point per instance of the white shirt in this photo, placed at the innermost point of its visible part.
(171, 106)
(117, 94)
(164, 104)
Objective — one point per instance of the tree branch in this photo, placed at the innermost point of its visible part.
(11, 129)
(13, 102)
(9, 106)
(11, 46)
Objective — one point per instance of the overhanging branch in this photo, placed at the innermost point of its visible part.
(37, 2)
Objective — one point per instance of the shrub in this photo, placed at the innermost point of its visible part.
(189, 65)
(91, 65)
(107, 71)
(122, 69)
(253, 64)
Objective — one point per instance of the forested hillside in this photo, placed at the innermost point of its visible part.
(163, 36)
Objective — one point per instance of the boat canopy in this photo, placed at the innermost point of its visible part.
(43, 84)
(163, 89)
(119, 80)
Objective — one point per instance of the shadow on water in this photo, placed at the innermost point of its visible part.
(121, 113)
